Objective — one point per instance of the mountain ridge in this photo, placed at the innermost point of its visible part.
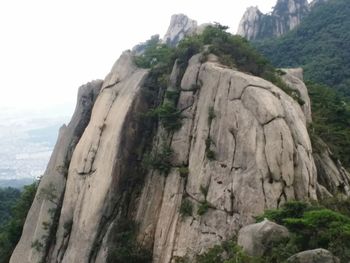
(174, 152)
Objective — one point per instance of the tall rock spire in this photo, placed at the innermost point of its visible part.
(286, 15)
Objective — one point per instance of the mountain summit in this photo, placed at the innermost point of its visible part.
(176, 151)
(285, 16)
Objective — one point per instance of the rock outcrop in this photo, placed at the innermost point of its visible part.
(286, 15)
(180, 27)
(99, 165)
(40, 219)
(314, 256)
(263, 157)
(256, 239)
(330, 173)
(243, 147)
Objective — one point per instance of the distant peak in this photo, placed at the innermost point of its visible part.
(286, 15)
(180, 26)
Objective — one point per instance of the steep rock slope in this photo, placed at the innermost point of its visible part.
(181, 26)
(99, 163)
(263, 157)
(286, 15)
(45, 210)
(243, 147)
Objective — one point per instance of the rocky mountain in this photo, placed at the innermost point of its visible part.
(174, 152)
(285, 16)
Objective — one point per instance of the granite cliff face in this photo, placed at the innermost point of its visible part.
(260, 157)
(285, 16)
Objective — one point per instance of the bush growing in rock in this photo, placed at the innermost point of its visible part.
(314, 227)
(186, 208)
(160, 160)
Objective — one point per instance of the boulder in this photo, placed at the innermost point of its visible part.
(314, 256)
(256, 239)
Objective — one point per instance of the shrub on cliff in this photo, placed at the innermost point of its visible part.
(314, 227)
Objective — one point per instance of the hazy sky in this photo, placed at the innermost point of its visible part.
(48, 48)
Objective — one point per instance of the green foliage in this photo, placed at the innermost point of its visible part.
(186, 208)
(292, 209)
(169, 116)
(8, 197)
(235, 51)
(37, 245)
(227, 252)
(48, 193)
(204, 190)
(183, 170)
(10, 232)
(155, 54)
(208, 152)
(331, 121)
(319, 45)
(125, 247)
(314, 227)
(160, 160)
(203, 207)
(188, 47)
(339, 204)
(172, 95)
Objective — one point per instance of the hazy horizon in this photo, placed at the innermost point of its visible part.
(49, 49)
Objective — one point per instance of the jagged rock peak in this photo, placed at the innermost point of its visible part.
(180, 26)
(286, 15)
(248, 27)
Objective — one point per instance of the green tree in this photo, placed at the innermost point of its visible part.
(10, 233)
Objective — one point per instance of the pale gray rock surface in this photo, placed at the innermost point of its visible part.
(180, 27)
(98, 163)
(263, 157)
(249, 25)
(286, 15)
(54, 178)
(256, 239)
(314, 256)
(294, 79)
(331, 174)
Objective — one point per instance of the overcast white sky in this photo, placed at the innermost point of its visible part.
(48, 48)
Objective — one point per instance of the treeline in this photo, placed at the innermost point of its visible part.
(14, 209)
(331, 121)
(320, 44)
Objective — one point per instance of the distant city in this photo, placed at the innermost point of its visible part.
(26, 143)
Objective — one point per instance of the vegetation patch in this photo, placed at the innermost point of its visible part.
(318, 44)
(169, 116)
(331, 121)
(313, 227)
(125, 247)
(208, 152)
(183, 170)
(160, 160)
(186, 208)
(11, 231)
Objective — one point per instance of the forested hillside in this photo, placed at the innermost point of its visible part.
(8, 197)
(14, 206)
(320, 45)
